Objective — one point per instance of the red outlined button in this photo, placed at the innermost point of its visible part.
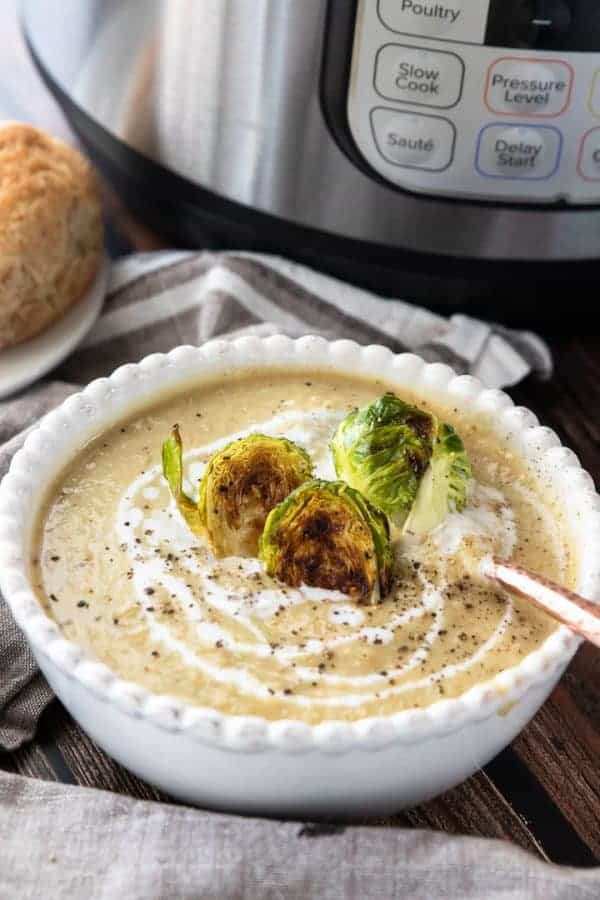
(588, 162)
(535, 88)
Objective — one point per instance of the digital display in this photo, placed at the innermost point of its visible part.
(565, 25)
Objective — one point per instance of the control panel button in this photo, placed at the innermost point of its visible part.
(588, 164)
(452, 20)
(419, 76)
(414, 141)
(595, 95)
(519, 152)
(527, 87)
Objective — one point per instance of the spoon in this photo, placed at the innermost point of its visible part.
(580, 615)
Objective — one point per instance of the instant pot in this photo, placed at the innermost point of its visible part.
(446, 150)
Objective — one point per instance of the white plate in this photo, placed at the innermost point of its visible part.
(25, 363)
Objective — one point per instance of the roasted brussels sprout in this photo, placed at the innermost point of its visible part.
(240, 486)
(443, 488)
(383, 450)
(325, 534)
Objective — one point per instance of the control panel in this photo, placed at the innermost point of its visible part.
(490, 99)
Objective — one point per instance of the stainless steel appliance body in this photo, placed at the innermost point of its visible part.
(382, 137)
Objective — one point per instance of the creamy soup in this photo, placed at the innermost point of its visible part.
(116, 566)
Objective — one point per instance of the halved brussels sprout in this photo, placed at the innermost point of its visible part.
(240, 486)
(444, 485)
(327, 535)
(383, 450)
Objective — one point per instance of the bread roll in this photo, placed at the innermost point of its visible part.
(51, 233)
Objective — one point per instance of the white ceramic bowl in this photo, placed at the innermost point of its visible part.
(248, 764)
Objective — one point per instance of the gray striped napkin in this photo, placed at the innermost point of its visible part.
(157, 301)
(68, 843)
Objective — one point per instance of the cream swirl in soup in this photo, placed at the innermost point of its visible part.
(120, 570)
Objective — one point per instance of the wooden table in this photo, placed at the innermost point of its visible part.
(543, 792)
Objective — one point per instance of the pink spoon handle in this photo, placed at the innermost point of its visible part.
(580, 615)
